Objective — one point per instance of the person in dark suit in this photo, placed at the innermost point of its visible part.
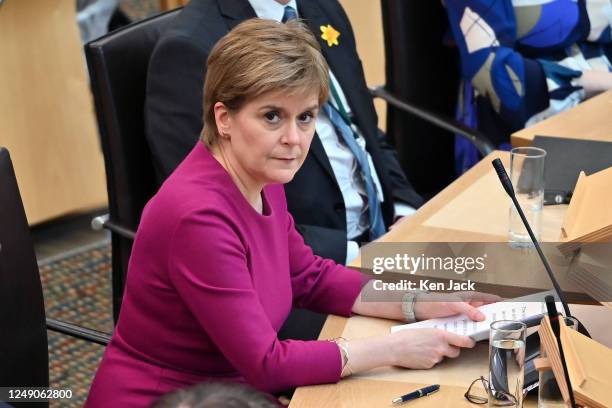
(335, 209)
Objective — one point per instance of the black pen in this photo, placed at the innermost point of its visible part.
(423, 392)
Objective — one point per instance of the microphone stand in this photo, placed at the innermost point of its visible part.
(507, 184)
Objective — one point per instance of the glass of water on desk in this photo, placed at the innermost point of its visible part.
(527, 176)
(506, 363)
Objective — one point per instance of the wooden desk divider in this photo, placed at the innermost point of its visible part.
(589, 216)
(589, 364)
(47, 117)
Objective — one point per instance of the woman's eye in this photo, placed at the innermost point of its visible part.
(306, 117)
(272, 117)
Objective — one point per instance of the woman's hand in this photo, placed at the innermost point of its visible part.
(424, 348)
(415, 348)
(432, 305)
(595, 82)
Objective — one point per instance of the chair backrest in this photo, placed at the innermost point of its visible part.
(420, 69)
(118, 64)
(24, 358)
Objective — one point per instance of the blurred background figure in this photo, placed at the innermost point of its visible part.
(216, 395)
(94, 17)
(524, 61)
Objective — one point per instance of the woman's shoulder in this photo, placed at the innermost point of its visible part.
(197, 188)
(179, 214)
(198, 183)
(182, 199)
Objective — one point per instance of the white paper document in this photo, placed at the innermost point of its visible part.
(523, 309)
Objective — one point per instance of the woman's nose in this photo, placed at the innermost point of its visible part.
(291, 135)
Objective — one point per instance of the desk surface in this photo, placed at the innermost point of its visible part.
(475, 208)
(595, 113)
(442, 219)
(445, 218)
(378, 387)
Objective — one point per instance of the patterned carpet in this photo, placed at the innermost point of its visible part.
(77, 289)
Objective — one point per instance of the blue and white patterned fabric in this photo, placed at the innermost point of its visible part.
(524, 56)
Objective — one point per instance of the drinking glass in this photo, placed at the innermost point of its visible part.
(506, 363)
(527, 176)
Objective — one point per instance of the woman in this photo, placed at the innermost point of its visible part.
(524, 61)
(217, 262)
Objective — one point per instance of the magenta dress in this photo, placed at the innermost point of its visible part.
(210, 283)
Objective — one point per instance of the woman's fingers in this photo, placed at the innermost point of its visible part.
(458, 340)
(468, 310)
(452, 351)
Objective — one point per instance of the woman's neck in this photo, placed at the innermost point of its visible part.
(251, 192)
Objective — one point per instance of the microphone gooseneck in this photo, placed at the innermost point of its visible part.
(507, 184)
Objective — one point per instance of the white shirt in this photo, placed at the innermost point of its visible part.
(341, 159)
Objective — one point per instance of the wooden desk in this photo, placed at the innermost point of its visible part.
(592, 119)
(475, 208)
(378, 387)
(445, 219)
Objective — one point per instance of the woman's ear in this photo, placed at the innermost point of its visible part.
(222, 120)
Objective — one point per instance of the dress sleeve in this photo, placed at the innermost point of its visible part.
(208, 268)
(320, 284)
(485, 33)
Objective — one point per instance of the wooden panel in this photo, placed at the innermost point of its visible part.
(590, 120)
(46, 109)
(366, 19)
(165, 5)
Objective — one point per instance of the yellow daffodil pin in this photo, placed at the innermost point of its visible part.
(329, 34)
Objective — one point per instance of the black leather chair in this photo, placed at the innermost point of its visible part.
(118, 64)
(23, 339)
(422, 79)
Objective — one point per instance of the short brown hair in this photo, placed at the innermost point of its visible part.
(260, 56)
(216, 395)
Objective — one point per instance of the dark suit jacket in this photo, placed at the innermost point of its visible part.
(174, 114)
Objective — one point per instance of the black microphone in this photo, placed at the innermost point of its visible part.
(503, 177)
(553, 315)
(507, 184)
(505, 180)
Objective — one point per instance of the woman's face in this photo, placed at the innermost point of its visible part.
(267, 140)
